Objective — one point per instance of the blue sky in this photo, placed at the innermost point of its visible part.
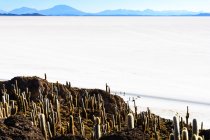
(99, 5)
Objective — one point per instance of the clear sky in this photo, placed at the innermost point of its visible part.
(99, 5)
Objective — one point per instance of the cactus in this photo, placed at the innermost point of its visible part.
(187, 116)
(130, 121)
(107, 89)
(76, 101)
(58, 110)
(201, 125)
(157, 136)
(49, 130)
(171, 137)
(43, 125)
(62, 130)
(145, 123)
(176, 128)
(69, 85)
(46, 107)
(108, 130)
(6, 107)
(195, 127)
(52, 123)
(181, 124)
(199, 138)
(45, 76)
(71, 125)
(194, 137)
(14, 110)
(119, 122)
(84, 112)
(113, 121)
(97, 128)
(81, 125)
(185, 134)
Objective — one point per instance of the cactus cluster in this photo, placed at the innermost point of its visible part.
(187, 131)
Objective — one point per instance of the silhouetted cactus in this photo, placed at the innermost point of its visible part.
(201, 125)
(45, 76)
(187, 116)
(195, 127)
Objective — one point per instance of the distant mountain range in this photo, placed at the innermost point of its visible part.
(64, 10)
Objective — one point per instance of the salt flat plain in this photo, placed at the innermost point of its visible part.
(157, 56)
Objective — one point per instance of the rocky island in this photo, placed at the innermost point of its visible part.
(32, 108)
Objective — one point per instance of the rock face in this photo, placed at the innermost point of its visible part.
(19, 127)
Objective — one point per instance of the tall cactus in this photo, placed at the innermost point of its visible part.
(187, 116)
(97, 128)
(195, 127)
(176, 128)
(58, 110)
(71, 125)
(43, 125)
(130, 121)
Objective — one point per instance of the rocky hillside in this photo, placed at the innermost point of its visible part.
(33, 108)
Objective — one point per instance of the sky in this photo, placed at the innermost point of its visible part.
(100, 5)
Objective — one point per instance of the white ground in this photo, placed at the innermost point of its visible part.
(161, 56)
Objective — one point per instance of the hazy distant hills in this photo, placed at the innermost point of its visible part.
(1, 11)
(146, 12)
(23, 10)
(64, 10)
